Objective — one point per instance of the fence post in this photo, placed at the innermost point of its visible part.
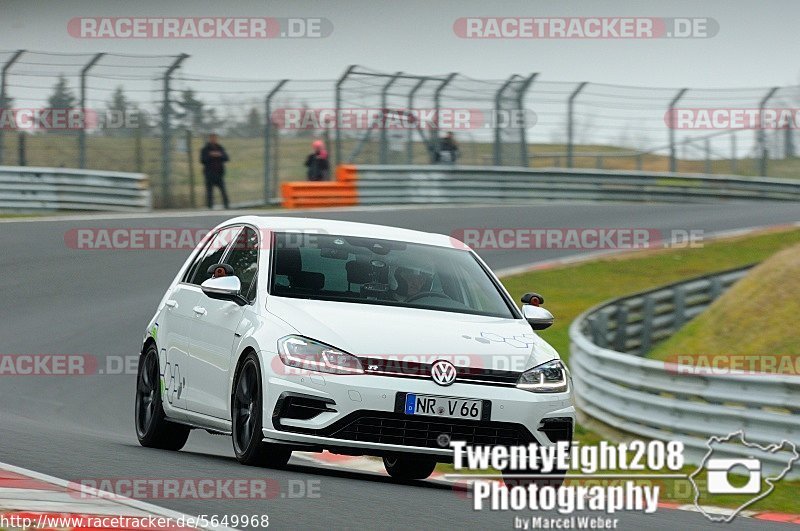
(22, 159)
(762, 137)
(639, 160)
(3, 102)
(190, 160)
(707, 145)
(338, 104)
(437, 100)
(269, 175)
(382, 154)
(82, 130)
(523, 139)
(646, 339)
(137, 147)
(680, 307)
(166, 131)
(673, 165)
(498, 156)
(571, 121)
(734, 155)
(410, 133)
(621, 333)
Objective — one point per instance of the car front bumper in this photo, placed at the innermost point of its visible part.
(351, 396)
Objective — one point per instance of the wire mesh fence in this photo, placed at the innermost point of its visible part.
(150, 114)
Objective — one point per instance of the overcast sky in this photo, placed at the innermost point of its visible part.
(757, 43)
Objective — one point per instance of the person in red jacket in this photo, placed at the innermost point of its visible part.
(317, 165)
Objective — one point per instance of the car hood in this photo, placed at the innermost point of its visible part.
(416, 335)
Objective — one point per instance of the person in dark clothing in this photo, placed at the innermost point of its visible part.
(317, 165)
(448, 150)
(213, 158)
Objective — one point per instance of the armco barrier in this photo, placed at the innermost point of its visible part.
(658, 400)
(379, 184)
(52, 189)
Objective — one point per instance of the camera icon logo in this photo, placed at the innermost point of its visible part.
(717, 476)
(772, 461)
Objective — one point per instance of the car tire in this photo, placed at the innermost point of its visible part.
(406, 467)
(152, 427)
(247, 419)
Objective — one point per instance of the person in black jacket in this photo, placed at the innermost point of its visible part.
(213, 157)
(317, 163)
(448, 150)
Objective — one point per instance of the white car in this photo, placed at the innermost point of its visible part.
(310, 335)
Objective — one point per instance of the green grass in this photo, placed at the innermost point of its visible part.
(570, 290)
(765, 301)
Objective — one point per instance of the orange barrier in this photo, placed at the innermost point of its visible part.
(346, 173)
(341, 192)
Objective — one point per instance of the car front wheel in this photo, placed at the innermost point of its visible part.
(404, 467)
(246, 417)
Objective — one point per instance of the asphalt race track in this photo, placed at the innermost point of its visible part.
(68, 301)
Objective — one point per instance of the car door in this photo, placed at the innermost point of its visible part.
(217, 330)
(179, 317)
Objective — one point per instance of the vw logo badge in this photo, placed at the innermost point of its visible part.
(443, 440)
(443, 372)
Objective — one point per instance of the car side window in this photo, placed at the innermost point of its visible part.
(243, 258)
(211, 255)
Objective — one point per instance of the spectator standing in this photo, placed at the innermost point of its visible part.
(213, 158)
(448, 149)
(317, 165)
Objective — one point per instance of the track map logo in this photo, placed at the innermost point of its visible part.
(739, 458)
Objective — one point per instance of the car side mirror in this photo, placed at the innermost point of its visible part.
(224, 289)
(539, 318)
(533, 298)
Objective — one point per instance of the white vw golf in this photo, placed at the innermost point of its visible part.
(310, 335)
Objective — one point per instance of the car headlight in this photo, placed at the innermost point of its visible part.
(304, 353)
(550, 377)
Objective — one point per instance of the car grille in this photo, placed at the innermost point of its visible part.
(387, 428)
(475, 375)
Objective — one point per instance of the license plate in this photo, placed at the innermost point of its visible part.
(443, 406)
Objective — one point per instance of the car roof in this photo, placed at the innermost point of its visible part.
(346, 228)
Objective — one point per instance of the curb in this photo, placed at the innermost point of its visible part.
(46, 502)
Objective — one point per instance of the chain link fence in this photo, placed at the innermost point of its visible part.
(148, 113)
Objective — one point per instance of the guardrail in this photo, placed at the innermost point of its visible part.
(402, 184)
(51, 189)
(662, 400)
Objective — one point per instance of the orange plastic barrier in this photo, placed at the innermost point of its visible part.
(346, 173)
(341, 192)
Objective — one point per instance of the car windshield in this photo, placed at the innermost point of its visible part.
(384, 272)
